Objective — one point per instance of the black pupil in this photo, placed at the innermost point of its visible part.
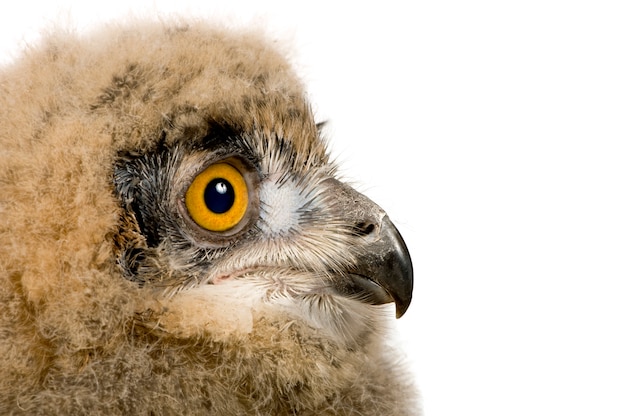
(219, 195)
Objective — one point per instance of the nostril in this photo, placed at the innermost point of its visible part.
(364, 228)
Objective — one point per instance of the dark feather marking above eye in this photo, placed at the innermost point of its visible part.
(218, 133)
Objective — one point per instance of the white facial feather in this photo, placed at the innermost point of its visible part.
(280, 207)
(227, 308)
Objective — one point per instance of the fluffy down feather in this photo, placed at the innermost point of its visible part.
(79, 337)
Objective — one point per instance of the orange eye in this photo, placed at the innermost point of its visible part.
(217, 199)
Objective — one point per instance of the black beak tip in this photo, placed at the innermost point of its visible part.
(402, 307)
(403, 298)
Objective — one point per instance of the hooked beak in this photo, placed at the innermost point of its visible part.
(383, 272)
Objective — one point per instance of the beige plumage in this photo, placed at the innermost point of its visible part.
(118, 297)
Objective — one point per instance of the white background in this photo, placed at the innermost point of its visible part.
(493, 132)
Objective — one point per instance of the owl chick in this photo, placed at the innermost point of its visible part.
(173, 240)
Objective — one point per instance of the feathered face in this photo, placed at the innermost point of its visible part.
(252, 219)
(230, 205)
